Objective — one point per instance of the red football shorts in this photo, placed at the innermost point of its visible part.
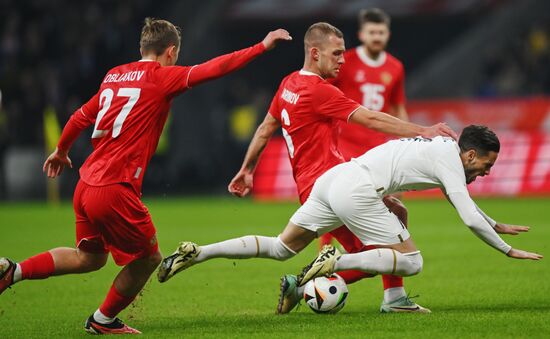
(113, 219)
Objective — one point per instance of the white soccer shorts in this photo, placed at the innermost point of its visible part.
(345, 195)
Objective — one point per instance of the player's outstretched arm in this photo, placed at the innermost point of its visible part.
(230, 62)
(388, 124)
(242, 183)
(520, 254)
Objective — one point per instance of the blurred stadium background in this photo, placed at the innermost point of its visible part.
(467, 61)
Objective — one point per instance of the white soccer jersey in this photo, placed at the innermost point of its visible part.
(415, 164)
(418, 164)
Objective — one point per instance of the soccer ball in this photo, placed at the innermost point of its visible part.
(326, 295)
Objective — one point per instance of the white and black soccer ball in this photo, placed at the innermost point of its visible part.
(326, 295)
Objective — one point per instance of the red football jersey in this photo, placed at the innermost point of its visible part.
(377, 85)
(308, 108)
(130, 110)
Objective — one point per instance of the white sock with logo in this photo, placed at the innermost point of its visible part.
(381, 261)
(249, 246)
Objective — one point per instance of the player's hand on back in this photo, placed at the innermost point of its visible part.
(241, 184)
(275, 36)
(520, 254)
(510, 229)
(439, 129)
(56, 162)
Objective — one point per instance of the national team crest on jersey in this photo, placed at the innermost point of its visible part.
(360, 76)
(386, 78)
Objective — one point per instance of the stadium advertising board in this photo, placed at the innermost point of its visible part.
(523, 127)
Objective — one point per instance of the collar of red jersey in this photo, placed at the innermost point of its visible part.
(304, 72)
(367, 60)
(144, 60)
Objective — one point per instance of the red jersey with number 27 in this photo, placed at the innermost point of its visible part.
(308, 108)
(130, 110)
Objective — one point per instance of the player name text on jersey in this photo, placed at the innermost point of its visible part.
(128, 76)
(289, 96)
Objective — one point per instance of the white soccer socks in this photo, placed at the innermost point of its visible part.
(381, 261)
(249, 246)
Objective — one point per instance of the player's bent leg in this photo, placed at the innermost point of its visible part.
(128, 283)
(57, 261)
(292, 240)
(381, 261)
(75, 260)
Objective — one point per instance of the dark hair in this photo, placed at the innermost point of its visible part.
(318, 32)
(480, 138)
(374, 15)
(157, 35)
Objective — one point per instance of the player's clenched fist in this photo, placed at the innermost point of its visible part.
(273, 37)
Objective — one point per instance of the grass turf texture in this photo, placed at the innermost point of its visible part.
(473, 290)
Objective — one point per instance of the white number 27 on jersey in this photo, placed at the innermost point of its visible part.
(288, 139)
(106, 97)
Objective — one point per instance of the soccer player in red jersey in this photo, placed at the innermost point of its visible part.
(372, 77)
(128, 113)
(307, 108)
(376, 79)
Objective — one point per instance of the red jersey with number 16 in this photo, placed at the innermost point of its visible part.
(308, 107)
(130, 110)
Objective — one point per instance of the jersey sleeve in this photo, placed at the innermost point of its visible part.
(224, 64)
(79, 120)
(469, 213)
(449, 170)
(398, 93)
(274, 110)
(331, 102)
(173, 80)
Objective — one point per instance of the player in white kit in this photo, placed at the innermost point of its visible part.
(351, 193)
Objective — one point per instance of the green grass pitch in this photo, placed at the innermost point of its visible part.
(473, 290)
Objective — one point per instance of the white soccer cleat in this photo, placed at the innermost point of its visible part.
(403, 305)
(182, 258)
(322, 265)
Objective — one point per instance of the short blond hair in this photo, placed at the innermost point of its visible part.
(157, 35)
(317, 33)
